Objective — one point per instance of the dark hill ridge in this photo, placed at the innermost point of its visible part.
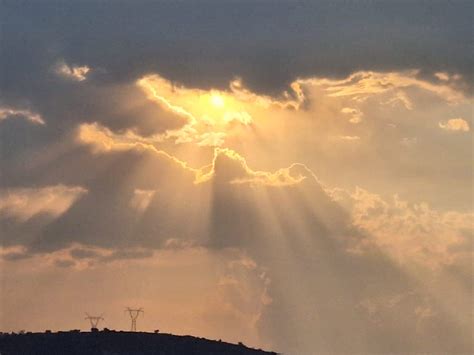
(117, 343)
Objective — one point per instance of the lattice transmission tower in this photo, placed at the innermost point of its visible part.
(94, 320)
(134, 313)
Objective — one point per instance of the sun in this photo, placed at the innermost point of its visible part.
(217, 100)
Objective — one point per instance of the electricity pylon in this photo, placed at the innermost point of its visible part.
(134, 313)
(94, 320)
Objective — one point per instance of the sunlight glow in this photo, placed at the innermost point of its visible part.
(217, 100)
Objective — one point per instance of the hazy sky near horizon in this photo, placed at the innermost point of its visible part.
(292, 175)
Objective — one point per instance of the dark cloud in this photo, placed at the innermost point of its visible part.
(82, 253)
(64, 263)
(128, 254)
(15, 232)
(105, 216)
(207, 43)
(15, 256)
(120, 254)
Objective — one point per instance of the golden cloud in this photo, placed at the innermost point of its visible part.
(210, 113)
(455, 124)
(361, 85)
(412, 234)
(236, 168)
(356, 114)
(25, 203)
(102, 140)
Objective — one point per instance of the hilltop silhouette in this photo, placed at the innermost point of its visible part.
(115, 342)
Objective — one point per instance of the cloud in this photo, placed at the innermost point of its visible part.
(243, 117)
(193, 158)
(64, 263)
(299, 243)
(14, 253)
(25, 211)
(212, 139)
(442, 76)
(301, 116)
(410, 233)
(343, 247)
(409, 141)
(364, 84)
(76, 73)
(25, 203)
(103, 139)
(401, 98)
(356, 114)
(295, 260)
(455, 124)
(210, 112)
(132, 202)
(128, 254)
(9, 113)
(349, 138)
(83, 253)
(159, 44)
(230, 167)
(96, 145)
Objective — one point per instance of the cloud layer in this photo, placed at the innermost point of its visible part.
(295, 180)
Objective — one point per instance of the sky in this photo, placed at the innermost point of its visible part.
(297, 176)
